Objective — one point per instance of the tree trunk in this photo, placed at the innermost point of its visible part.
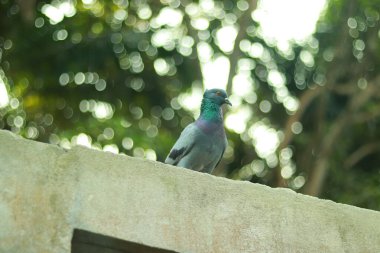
(245, 20)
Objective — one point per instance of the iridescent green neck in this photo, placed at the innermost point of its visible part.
(210, 111)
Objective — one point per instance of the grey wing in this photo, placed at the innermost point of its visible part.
(221, 156)
(183, 145)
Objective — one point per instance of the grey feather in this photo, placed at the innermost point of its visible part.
(197, 150)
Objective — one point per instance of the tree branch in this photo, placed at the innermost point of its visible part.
(366, 116)
(27, 10)
(306, 98)
(360, 153)
(319, 171)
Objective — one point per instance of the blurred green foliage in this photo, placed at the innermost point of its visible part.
(114, 74)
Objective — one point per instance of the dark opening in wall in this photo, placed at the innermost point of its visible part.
(88, 242)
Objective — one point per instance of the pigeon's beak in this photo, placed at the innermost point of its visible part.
(226, 101)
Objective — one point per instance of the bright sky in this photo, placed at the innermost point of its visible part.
(4, 99)
(288, 20)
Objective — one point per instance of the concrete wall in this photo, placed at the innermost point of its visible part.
(46, 192)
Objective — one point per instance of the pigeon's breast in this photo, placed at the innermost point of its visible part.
(214, 136)
(210, 127)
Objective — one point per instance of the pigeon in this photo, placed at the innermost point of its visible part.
(201, 144)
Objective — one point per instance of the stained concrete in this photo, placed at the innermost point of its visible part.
(46, 192)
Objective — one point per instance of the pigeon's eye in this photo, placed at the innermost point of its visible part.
(218, 93)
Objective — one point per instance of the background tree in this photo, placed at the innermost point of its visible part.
(125, 76)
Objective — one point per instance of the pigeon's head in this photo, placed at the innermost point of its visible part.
(217, 96)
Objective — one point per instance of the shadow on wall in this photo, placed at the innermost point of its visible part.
(84, 242)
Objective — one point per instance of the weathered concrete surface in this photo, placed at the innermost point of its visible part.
(46, 192)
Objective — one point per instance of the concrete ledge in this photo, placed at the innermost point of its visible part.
(47, 192)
